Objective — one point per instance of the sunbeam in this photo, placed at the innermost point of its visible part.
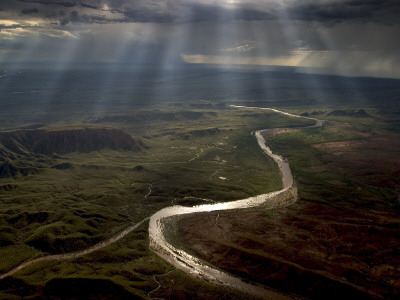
(199, 149)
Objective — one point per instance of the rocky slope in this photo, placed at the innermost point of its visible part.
(64, 141)
(18, 147)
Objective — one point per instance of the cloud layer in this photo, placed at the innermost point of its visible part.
(177, 11)
(356, 36)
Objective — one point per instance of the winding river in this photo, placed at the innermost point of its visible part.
(198, 268)
(181, 259)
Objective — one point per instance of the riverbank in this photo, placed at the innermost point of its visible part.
(194, 266)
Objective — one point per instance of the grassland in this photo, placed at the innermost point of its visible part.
(340, 238)
(196, 150)
(74, 200)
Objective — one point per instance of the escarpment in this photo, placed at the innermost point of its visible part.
(70, 140)
(20, 149)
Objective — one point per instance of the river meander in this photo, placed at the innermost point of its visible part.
(198, 268)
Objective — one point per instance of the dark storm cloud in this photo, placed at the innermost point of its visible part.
(183, 11)
(206, 12)
(88, 6)
(14, 26)
(190, 13)
(358, 37)
(28, 11)
(380, 11)
(365, 11)
(57, 3)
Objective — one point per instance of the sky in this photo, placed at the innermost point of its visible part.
(345, 37)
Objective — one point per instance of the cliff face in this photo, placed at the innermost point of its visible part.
(64, 141)
(10, 170)
(17, 148)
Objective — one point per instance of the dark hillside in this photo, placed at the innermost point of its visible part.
(64, 141)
